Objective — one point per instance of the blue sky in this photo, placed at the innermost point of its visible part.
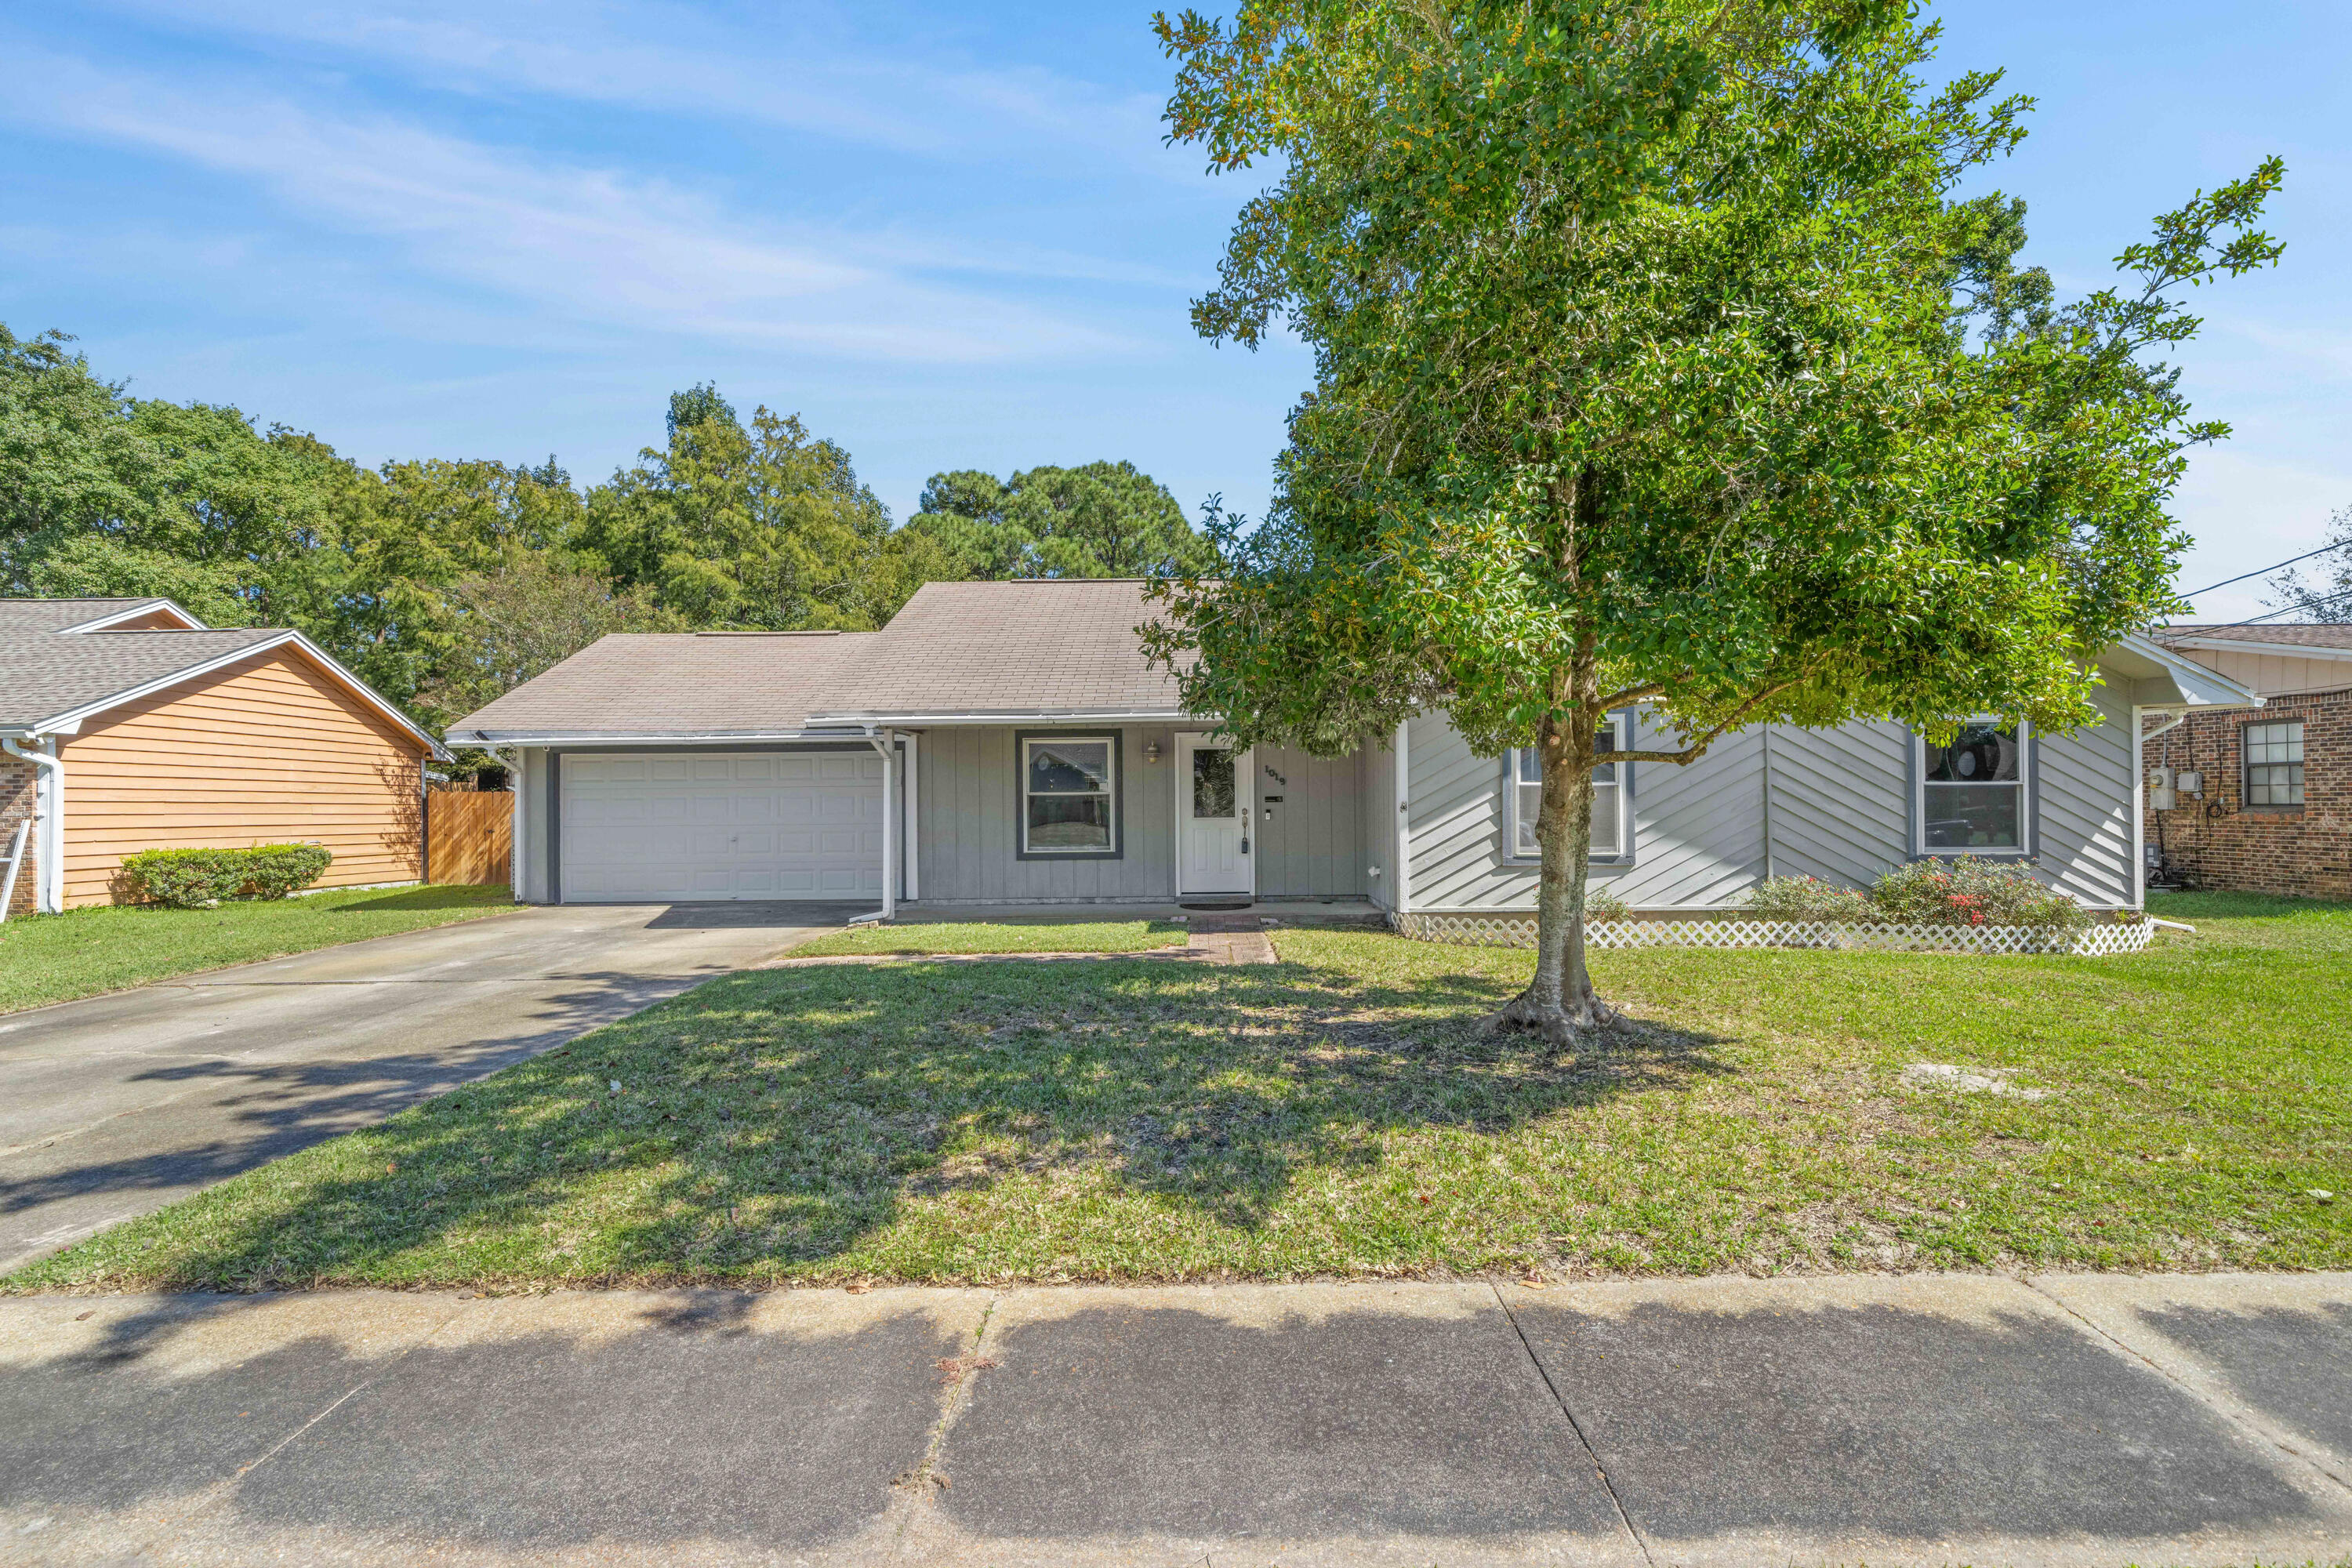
(947, 236)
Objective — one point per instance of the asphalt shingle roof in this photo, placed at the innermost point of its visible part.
(1022, 649)
(47, 674)
(56, 615)
(675, 683)
(2290, 634)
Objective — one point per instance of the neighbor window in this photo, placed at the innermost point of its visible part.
(1608, 799)
(1067, 792)
(1972, 791)
(2274, 763)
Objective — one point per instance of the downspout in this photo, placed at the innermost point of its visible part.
(49, 797)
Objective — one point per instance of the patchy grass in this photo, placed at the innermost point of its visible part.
(1000, 936)
(83, 952)
(1337, 1114)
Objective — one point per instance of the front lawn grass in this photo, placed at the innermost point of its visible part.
(999, 936)
(83, 952)
(1338, 1114)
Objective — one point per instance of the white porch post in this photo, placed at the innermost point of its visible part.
(890, 837)
(1403, 826)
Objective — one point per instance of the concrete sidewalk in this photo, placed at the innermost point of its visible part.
(1930, 1419)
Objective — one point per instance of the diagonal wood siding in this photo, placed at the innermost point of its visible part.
(269, 750)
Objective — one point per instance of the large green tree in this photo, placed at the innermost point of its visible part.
(1099, 520)
(766, 526)
(1658, 361)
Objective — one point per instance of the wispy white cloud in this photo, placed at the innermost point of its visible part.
(770, 68)
(593, 245)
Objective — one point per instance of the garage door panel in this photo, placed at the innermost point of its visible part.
(727, 826)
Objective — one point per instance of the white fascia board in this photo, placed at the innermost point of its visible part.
(145, 607)
(2284, 650)
(54, 725)
(1032, 716)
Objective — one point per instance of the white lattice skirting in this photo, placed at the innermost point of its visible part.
(1520, 931)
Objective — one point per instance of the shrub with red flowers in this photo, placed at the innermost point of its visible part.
(1968, 891)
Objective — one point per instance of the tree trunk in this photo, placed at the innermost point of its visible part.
(1558, 1003)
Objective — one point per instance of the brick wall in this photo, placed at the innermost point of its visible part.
(16, 805)
(2219, 842)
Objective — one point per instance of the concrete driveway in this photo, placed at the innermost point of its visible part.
(114, 1106)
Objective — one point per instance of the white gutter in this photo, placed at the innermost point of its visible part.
(488, 739)
(1027, 716)
(50, 893)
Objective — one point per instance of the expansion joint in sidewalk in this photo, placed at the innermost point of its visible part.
(1592, 1453)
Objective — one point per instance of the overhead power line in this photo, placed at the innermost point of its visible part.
(2291, 610)
(2264, 571)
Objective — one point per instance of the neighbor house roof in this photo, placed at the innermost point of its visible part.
(60, 665)
(2308, 639)
(81, 615)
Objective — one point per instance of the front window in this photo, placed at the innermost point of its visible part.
(1608, 799)
(1068, 788)
(2274, 763)
(1973, 797)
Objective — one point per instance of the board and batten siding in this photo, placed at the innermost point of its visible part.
(969, 804)
(1841, 809)
(2273, 674)
(270, 749)
(1310, 844)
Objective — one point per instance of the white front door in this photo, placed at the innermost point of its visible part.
(1212, 817)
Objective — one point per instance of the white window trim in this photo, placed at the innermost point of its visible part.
(2023, 850)
(1621, 726)
(1109, 742)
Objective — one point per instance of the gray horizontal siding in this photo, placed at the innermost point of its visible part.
(2086, 842)
(969, 804)
(1841, 811)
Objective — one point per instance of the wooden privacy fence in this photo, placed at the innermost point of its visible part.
(469, 836)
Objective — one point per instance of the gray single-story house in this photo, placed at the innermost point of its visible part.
(1007, 743)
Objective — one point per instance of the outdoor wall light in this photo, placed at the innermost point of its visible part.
(1150, 750)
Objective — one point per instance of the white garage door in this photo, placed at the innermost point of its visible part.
(660, 825)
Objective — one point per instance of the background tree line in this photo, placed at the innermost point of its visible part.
(445, 581)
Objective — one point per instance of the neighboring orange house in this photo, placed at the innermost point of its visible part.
(127, 724)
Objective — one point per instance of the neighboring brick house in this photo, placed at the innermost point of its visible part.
(2272, 812)
(18, 804)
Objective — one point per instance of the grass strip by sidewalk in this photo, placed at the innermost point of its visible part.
(1337, 1114)
(86, 952)
(999, 936)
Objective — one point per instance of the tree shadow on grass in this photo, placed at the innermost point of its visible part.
(773, 1121)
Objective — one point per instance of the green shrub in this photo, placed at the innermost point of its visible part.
(1601, 904)
(1969, 891)
(185, 879)
(274, 870)
(200, 879)
(1808, 898)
